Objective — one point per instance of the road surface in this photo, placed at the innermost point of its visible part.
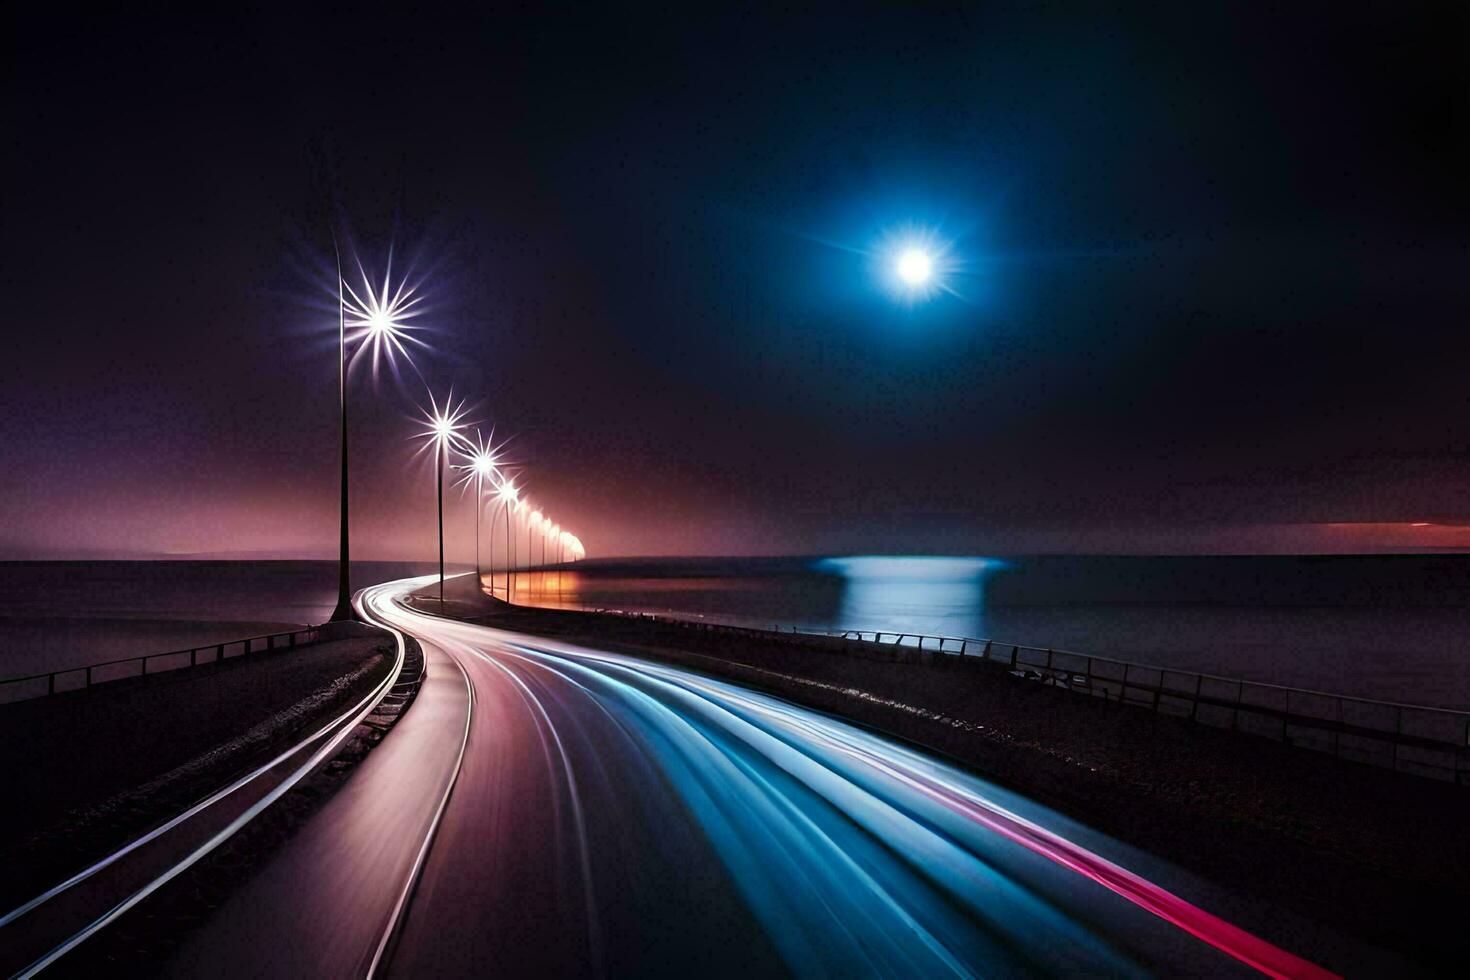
(551, 809)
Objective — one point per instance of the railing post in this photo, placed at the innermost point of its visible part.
(219, 653)
(194, 658)
(1123, 685)
(89, 678)
(964, 644)
(1194, 707)
(50, 684)
(1015, 656)
(247, 646)
(1235, 712)
(985, 655)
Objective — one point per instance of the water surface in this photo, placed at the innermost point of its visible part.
(1393, 627)
(55, 615)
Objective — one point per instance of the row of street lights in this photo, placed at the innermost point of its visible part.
(381, 320)
(482, 466)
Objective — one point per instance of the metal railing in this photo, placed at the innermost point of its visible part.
(82, 678)
(1405, 737)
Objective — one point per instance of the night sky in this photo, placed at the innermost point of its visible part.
(1208, 268)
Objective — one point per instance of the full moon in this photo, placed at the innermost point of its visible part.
(915, 267)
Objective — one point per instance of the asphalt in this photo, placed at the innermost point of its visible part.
(547, 808)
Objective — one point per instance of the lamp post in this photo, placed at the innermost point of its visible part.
(492, 547)
(491, 553)
(381, 319)
(533, 523)
(483, 467)
(344, 586)
(508, 497)
(443, 428)
(479, 502)
(481, 464)
(439, 475)
(518, 507)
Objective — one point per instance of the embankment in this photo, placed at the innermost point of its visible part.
(96, 768)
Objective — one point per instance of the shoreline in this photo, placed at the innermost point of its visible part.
(1367, 853)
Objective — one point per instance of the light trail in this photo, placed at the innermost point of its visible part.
(854, 854)
(400, 907)
(321, 745)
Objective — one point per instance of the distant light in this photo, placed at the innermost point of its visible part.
(444, 425)
(915, 263)
(481, 460)
(915, 266)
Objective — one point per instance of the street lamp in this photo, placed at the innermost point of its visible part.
(534, 525)
(380, 322)
(508, 496)
(520, 508)
(482, 464)
(443, 428)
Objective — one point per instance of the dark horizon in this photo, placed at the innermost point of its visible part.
(459, 563)
(1208, 290)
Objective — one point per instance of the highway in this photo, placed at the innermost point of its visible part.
(551, 809)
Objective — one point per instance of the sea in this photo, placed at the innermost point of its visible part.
(1391, 627)
(60, 614)
(1394, 627)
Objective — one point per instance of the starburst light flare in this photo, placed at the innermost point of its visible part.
(381, 317)
(443, 426)
(482, 461)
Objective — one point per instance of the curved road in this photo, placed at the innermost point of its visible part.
(551, 809)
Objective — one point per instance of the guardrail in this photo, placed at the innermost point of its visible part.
(1405, 737)
(82, 678)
